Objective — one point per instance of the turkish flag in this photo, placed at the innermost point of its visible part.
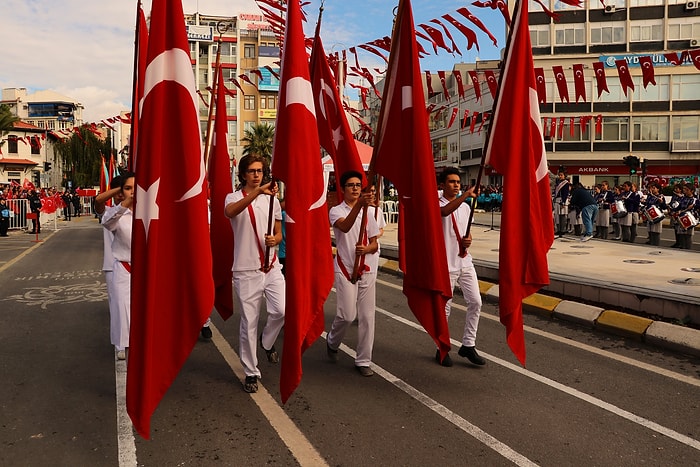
(460, 83)
(404, 155)
(297, 161)
(475, 81)
(137, 88)
(647, 71)
(334, 131)
(443, 81)
(579, 82)
(465, 118)
(172, 292)
(516, 123)
(695, 57)
(220, 185)
(27, 185)
(561, 82)
(428, 83)
(455, 111)
(491, 81)
(601, 81)
(624, 73)
(674, 59)
(541, 85)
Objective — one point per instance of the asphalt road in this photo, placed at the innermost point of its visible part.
(584, 399)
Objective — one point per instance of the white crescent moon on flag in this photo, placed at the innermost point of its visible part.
(540, 79)
(321, 101)
(560, 76)
(623, 69)
(174, 65)
(579, 73)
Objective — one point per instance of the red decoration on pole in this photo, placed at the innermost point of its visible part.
(623, 72)
(601, 81)
(579, 82)
(561, 82)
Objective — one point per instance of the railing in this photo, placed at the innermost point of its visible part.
(18, 213)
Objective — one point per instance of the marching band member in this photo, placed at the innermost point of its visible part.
(673, 207)
(604, 199)
(654, 199)
(686, 205)
(617, 196)
(631, 200)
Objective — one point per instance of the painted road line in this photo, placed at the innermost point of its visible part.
(125, 433)
(300, 447)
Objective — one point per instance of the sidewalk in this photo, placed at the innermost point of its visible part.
(632, 290)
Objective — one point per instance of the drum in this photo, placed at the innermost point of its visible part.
(687, 220)
(617, 209)
(654, 214)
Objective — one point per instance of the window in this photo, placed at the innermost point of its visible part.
(683, 28)
(249, 50)
(569, 34)
(686, 128)
(440, 149)
(50, 124)
(650, 128)
(610, 33)
(615, 88)
(249, 102)
(614, 129)
(12, 144)
(647, 31)
(685, 87)
(651, 93)
(647, 2)
(271, 102)
(248, 126)
(539, 35)
(578, 134)
(267, 102)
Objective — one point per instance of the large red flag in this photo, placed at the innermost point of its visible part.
(141, 47)
(172, 291)
(220, 185)
(297, 161)
(334, 132)
(516, 124)
(404, 156)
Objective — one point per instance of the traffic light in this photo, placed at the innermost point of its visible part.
(47, 166)
(37, 179)
(632, 162)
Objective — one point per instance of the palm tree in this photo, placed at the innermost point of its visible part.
(7, 120)
(258, 140)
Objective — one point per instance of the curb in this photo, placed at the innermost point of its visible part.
(656, 333)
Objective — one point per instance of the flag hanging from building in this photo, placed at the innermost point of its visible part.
(296, 160)
(172, 291)
(516, 124)
(403, 154)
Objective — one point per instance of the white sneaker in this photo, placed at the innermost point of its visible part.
(585, 238)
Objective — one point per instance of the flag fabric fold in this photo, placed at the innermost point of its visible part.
(297, 161)
(403, 154)
(141, 48)
(220, 185)
(172, 291)
(516, 121)
(334, 133)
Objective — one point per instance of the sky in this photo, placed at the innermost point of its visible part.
(84, 49)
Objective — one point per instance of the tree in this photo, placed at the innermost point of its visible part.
(258, 140)
(7, 120)
(81, 157)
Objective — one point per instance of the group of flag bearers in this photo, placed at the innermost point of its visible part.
(172, 288)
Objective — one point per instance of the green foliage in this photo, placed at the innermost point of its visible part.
(258, 140)
(81, 157)
(7, 120)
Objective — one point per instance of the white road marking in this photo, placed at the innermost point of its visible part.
(300, 447)
(125, 433)
(588, 348)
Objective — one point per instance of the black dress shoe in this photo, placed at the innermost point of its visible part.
(206, 332)
(447, 361)
(471, 355)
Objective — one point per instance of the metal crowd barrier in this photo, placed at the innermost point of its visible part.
(18, 210)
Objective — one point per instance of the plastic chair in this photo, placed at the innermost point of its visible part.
(391, 212)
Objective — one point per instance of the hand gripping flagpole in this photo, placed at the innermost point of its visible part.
(270, 223)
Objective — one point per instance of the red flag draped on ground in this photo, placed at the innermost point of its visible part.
(172, 289)
(334, 132)
(221, 233)
(516, 150)
(297, 161)
(404, 156)
(141, 47)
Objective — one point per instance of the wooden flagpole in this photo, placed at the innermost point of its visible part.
(212, 97)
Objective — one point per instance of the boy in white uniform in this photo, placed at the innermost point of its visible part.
(455, 216)
(249, 212)
(354, 300)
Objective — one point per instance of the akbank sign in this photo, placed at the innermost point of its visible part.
(633, 60)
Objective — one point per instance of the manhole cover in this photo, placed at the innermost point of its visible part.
(687, 281)
(581, 246)
(638, 261)
(691, 269)
(576, 253)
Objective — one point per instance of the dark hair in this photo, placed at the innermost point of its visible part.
(247, 161)
(448, 171)
(348, 175)
(126, 175)
(116, 181)
(655, 184)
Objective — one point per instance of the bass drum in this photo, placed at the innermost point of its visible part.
(654, 214)
(687, 220)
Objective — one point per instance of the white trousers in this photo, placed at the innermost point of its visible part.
(250, 287)
(120, 319)
(355, 301)
(469, 284)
